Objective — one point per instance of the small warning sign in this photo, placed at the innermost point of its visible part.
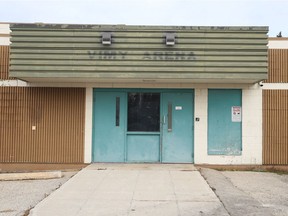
(236, 114)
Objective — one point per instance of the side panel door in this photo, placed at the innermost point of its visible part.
(109, 120)
(177, 130)
(224, 134)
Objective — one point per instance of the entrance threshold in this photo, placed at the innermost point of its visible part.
(142, 166)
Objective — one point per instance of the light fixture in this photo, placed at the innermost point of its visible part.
(106, 38)
(170, 39)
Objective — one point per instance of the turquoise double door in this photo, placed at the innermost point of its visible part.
(147, 126)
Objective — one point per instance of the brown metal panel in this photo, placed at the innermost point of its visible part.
(4, 62)
(275, 127)
(277, 66)
(42, 125)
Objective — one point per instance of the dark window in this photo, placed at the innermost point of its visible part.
(144, 112)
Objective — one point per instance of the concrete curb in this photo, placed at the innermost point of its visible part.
(256, 168)
(30, 176)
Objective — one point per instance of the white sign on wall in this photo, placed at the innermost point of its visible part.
(236, 114)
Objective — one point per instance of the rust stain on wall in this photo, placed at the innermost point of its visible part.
(42, 125)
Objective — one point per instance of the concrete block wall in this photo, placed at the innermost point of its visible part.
(4, 34)
(252, 125)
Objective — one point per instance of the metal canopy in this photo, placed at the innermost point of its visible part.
(75, 53)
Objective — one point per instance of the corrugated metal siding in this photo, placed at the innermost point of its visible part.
(278, 66)
(57, 113)
(139, 52)
(4, 62)
(275, 127)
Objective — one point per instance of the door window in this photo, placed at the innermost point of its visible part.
(143, 112)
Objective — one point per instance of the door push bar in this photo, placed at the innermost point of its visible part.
(169, 117)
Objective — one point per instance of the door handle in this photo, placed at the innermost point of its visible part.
(164, 119)
(170, 117)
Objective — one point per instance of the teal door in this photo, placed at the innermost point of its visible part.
(224, 122)
(143, 126)
(109, 120)
(177, 130)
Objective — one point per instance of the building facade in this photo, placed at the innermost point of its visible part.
(150, 94)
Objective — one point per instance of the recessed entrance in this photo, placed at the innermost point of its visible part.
(143, 126)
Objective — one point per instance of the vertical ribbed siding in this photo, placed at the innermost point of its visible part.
(275, 127)
(4, 62)
(277, 66)
(57, 113)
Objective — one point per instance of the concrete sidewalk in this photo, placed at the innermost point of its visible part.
(133, 189)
